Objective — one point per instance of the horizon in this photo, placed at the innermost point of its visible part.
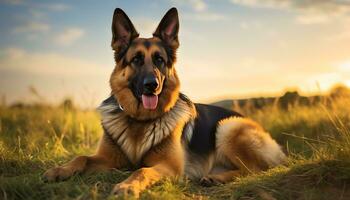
(228, 48)
(35, 98)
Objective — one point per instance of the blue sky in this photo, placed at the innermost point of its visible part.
(229, 48)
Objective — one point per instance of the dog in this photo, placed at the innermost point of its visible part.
(151, 127)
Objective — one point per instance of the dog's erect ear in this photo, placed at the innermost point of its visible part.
(123, 30)
(168, 28)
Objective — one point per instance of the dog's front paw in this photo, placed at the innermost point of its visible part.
(57, 174)
(125, 189)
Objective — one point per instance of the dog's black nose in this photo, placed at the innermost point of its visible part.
(150, 84)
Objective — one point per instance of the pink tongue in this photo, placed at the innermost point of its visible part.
(150, 102)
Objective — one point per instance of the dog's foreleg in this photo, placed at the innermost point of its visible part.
(77, 165)
(167, 160)
(107, 157)
(142, 178)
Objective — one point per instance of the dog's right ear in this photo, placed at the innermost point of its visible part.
(123, 31)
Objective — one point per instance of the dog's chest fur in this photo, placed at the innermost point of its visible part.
(135, 138)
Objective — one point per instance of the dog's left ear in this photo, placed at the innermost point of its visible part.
(168, 28)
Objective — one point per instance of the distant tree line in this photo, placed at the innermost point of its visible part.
(286, 101)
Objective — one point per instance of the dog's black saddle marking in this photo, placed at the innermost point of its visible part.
(205, 125)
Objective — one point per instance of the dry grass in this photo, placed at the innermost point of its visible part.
(317, 138)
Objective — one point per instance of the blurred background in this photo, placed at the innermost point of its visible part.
(230, 49)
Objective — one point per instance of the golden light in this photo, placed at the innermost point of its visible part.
(345, 66)
(347, 83)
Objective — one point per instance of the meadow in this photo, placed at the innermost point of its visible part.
(316, 137)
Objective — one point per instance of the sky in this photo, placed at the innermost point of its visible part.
(228, 48)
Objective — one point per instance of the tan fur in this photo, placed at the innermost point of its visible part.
(249, 143)
(120, 88)
(139, 47)
(107, 157)
(166, 160)
(243, 143)
(137, 138)
(151, 140)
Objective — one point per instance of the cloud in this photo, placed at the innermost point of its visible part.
(69, 36)
(262, 3)
(309, 11)
(250, 25)
(204, 16)
(53, 74)
(34, 22)
(33, 30)
(32, 27)
(321, 6)
(200, 11)
(197, 5)
(13, 2)
(228, 79)
(57, 7)
(340, 35)
(11, 53)
(37, 14)
(313, 19)
(46, 64)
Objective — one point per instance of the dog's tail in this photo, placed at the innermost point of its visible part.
(245, 141)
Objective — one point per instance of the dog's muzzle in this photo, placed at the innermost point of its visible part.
(149, 97)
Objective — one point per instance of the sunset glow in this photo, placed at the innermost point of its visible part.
(228, 48)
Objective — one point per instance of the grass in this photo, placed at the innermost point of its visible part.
(317, 139)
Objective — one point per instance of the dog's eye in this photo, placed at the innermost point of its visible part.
(158, 60)
(137, 60)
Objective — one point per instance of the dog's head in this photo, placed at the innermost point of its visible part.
(144, 80)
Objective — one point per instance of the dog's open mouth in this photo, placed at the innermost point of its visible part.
(150, 101)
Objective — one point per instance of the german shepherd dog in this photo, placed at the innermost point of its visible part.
(151, 127)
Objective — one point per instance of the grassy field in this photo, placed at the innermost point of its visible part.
(317, 139)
